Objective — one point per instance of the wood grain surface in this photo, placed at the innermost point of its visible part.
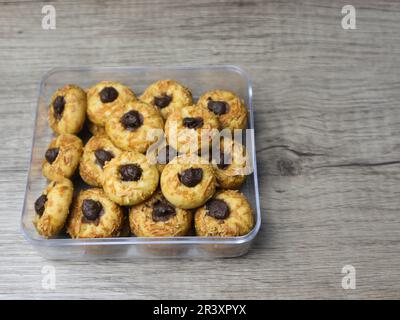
(327, 137)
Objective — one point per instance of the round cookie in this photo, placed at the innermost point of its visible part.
(167, 96)
(96, 130)
(95, 216)
(227, 106)
(130, 126)
(188, 181)
(62, 157)
(104, 97)
(129, 178)
(186, 128)
(227, 214)
(67, 110)
(156, 217)
(96, 153)
(230, 165)
(52, 208)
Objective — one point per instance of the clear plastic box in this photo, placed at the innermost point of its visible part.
(199, 80)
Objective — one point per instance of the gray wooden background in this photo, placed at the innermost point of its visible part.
(327, 134)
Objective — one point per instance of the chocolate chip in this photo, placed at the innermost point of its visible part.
(191, 177)
(162, 101)
(102, 156)
(51, 154)
(58, 106)
(130, 172)
(108, 94)
(222, 165)
(218, 107)
(39, 204)
(162, 211)
(131, 120)
(91, 209)
(193, 123)
(217, 209)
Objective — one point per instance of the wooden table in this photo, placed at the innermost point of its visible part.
(327, 135)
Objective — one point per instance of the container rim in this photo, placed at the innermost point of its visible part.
(186, 240)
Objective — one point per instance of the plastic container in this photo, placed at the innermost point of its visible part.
(199, 80)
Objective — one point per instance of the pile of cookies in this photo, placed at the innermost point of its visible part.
(128, 193)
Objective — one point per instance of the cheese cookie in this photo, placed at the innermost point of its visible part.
(230, 164)
(95, 216)
(188, 181)
(134, 126)
(129, 178)
(167, 96)
(227, 106)
(62, 157)
(191, 129)
(52, 208)
(104, 97)
(156, 217)
(96, 153)
(227, 214)
(67, 110)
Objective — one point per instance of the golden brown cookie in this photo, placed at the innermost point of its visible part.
(167, 96)
(62, 157)
(52, 208)
(133, 126)
(96, 153)
(188, 181)
(129, 178)
(95, 216)
(230, 164)
(156, 217)
(67, 110)
(96, 130)
(187, 128)
(227, 106)
(227, 214)
(104, 97)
